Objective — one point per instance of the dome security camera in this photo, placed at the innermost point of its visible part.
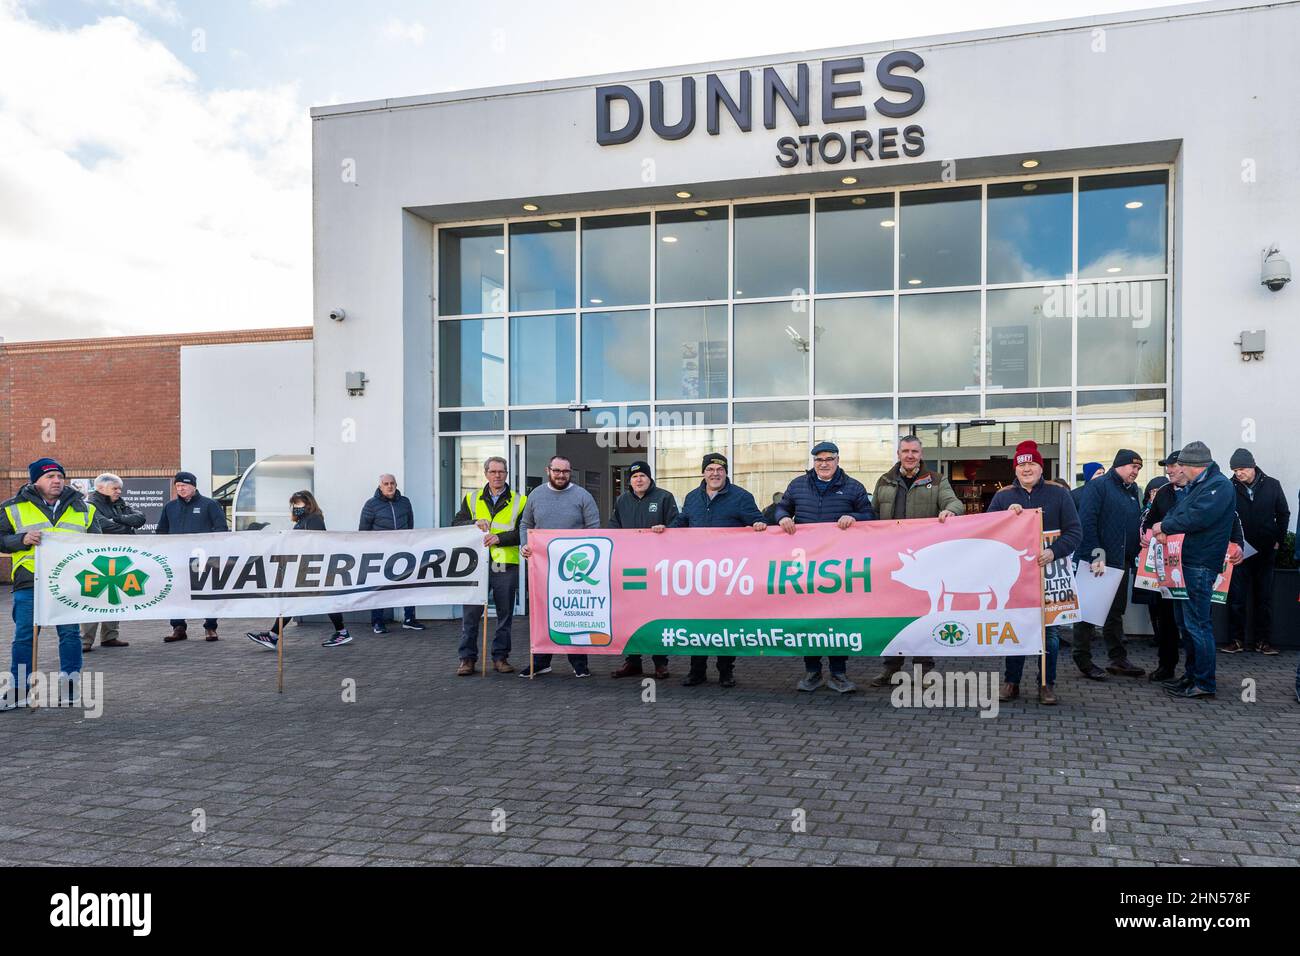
(338, 315)
(1275, 271)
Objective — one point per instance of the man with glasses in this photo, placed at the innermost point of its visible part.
(716, 503)
(558, 504)
(497, 512)
(822, 494)
(910, 490)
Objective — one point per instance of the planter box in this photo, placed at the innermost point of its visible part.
(1286, 611)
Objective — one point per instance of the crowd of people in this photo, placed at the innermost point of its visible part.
(1102, 524)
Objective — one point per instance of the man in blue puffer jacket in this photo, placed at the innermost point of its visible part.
(822, 494)
(1205, 516)
(389, 510)
(1111, 514)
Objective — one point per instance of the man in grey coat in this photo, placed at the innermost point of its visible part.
(115, 517)
(558, 504)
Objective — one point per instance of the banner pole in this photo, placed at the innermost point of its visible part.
(36, 656)
(1042, 607)
(485, 649)
(279, 648)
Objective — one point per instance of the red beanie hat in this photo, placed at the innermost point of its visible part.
(1027, 451)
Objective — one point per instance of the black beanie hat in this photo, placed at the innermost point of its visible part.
(1124, 457)
(639, 468)
(1241, 458)
(714, 456)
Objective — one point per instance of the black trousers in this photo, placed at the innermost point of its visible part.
(660, 660)
(1168, 637)
(1112, 632)
(1252, 584)
(335, 619)
(210, 624)
(700, 664)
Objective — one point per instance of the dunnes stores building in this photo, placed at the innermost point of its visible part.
(1074, 232)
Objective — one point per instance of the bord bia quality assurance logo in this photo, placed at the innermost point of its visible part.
(111, 579)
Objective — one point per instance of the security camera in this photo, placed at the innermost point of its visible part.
(338, 315)
(1276, 271)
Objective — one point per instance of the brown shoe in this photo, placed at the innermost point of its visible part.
(177, 634)
(1125, 668)
(114, 643)
(87, 648)
(466, 668)
(503, 667)
(1266, 649)
(1046, 695)
(1009, 692)
(661, 673)
(209, 633)
(628, 669)
(1232, 647)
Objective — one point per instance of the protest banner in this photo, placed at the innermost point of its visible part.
(1160, 568)
(1060, 596)
(965, 587)
(81, 578)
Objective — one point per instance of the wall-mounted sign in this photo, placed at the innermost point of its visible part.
(838, 89)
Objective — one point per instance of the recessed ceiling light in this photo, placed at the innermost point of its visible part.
(849, 180)
(887, 223)
(1135, 204)
(1029, 163)
(597, 301)
(683, 194)
(913, 281)
(670, 238)
(500, 252)
(859, 200)
(1115, 269)
(555, 224)
(701, 212)
(530, 206)
(1029, 187)
(740, 292)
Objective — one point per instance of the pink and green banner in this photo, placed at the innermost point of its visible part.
(970, 586)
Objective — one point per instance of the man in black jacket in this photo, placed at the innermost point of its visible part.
(1265, 517)
(115, 517)
(496, 511)
(645, 505)
(190, 513)
(1110, 513)
(389, 510)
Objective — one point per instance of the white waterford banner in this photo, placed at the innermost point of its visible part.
(83, 578)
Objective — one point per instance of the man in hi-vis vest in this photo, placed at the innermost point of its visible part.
(496, 511)
(46, 505)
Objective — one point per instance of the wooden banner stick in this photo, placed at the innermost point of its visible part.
(485, 647)
(31, 671)
(1042, 605)
(279, 649)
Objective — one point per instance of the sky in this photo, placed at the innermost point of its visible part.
(155, 155)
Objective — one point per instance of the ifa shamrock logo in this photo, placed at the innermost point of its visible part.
(113, 578)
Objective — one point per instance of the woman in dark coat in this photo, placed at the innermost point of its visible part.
(307, 517)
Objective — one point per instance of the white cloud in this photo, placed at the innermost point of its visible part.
(270, 4)
(162, 9)
(402, 31)
(134, 202)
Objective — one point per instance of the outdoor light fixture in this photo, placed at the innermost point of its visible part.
(555, 224)
(859, 200)
(530, 207)
(683, 194)
(1029, 187)
(1029, 163)
(670, 238)
(1135, 204)
(887, 223)
(701, 212)
(1274, 272)
(849, 180)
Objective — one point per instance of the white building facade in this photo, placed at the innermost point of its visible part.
(1052, 232)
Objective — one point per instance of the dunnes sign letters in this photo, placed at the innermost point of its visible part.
(840, 88)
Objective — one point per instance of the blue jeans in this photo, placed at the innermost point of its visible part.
(1193, 617)
(69, 642)
(1016, 665)
(503, 586)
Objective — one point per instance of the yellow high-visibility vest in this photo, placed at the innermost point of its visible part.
(503, 520)
(25, 516)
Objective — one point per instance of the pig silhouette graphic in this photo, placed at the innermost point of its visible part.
(966, 566)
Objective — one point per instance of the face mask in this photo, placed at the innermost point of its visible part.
(300, 513)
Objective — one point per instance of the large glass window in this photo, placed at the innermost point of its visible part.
(691, 254)
(939, 241)
(1097, 439)
(772, 348)
(471, 270)
(460, 465)
(866, 451)
(766, 460)
(1121, 333)
(471, 363)
(855, 345)
(1028, 343)
(541, 359)
(855, 243)
(772, 249)
(691, 352)
(542, 265)
(939, 342)
(1030, 228)
(679, 453)
(615, 356)
(616, 260)
(1122, 224)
